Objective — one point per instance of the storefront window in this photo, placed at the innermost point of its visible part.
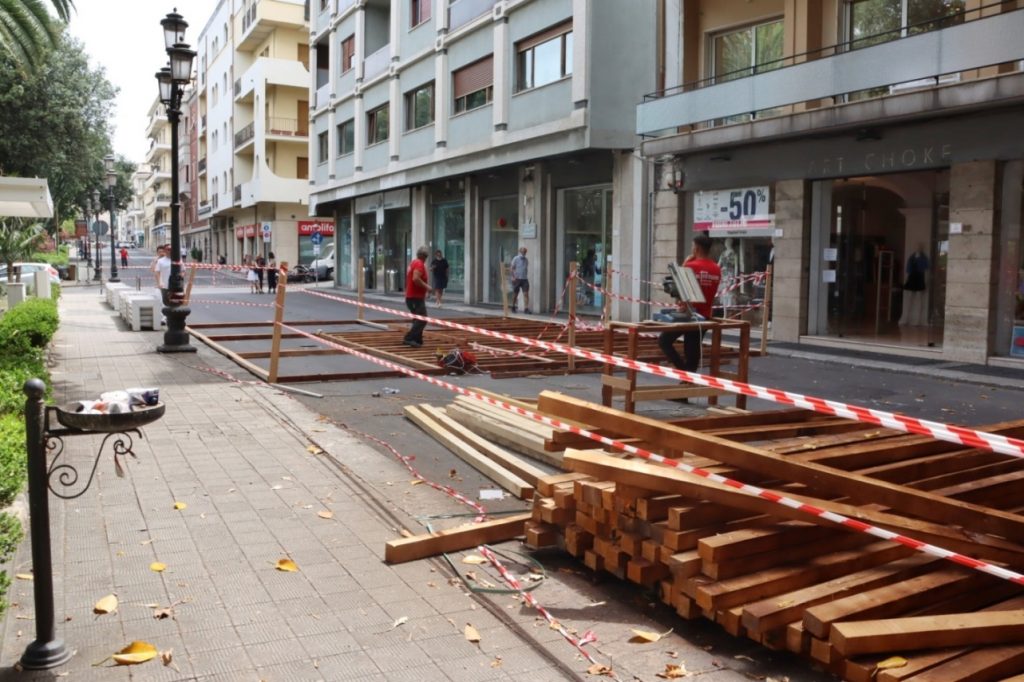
(368, 248)
(398, 249)
(585, 235)
(344, 242)
(450, 237)
(501, 241)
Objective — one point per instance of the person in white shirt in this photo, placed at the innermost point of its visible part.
(161, 268)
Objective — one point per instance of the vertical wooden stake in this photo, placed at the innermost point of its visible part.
(361, 286)
(503, 275)
(275, 346)
(606, 309)
(766, 309)
(191, 281)
(572, 312)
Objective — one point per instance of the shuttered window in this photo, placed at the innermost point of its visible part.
(544, 57)
(348, 50)
(419, 11)
(472, 85)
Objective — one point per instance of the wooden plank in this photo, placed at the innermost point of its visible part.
(503, 434)
(253, 369)
(275, 344)
(857, 638)
(488, 467)
(546, 485)
(916, 503)
(456, 539)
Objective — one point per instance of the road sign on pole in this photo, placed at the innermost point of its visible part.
(317, 238)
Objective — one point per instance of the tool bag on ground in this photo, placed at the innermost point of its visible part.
(458, 361)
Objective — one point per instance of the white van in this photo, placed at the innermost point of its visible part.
(324, 265)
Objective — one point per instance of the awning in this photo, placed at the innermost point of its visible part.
(25, 198)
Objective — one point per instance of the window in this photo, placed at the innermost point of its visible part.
(346, 137)
(419, 107)
(750, 50)
(321, 140)
(213, 97)
(323, 5)
(419, 11)
(377, 125)
(348, 51)
(544, 57)
(877, 21)
(473, 85)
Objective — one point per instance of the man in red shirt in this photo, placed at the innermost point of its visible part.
(709, 276)
(416, 288)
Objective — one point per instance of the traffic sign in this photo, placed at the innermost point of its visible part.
(100, 227)
(317, 240)
(316, 248)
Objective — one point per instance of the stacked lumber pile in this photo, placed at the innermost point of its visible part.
(862, 608)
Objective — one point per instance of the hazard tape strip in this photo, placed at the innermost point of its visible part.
(625, 297)
(752, 490)
(245, 304)
(514, 583)
(950, 433)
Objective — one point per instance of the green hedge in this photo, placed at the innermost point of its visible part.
(27, 328)
(58, 257)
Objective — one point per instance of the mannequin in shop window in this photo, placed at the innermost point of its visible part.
(729, 264)
(915, 290)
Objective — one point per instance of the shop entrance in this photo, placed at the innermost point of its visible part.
(880, 258)
(584, 236)
(501, 242)
(397, 247)
(368, 248)
(450, 238)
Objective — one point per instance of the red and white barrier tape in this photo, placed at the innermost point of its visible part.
(514, 583)
(752, 490)
(625, 297)
(244, 304)
(950, 433)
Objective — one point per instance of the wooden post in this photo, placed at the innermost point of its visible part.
(503, 275)
(361, 286)
(766, 308)
(572, 312)
(606, 309)
(191, 281)
(275, 346)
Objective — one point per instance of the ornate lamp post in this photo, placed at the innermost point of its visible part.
(97, 275)
(172, 80)
(108, 163)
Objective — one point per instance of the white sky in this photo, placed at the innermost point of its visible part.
(124, 36)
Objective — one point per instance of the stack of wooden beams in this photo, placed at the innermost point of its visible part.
(860, 607)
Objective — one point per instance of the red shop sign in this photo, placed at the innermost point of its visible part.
(245, 231)
(308, 227)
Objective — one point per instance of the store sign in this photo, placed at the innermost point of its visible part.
(309, 227)
(741, 212)
(242, 231)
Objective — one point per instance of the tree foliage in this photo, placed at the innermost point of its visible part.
(27, 31)
(54, 124)
(19, 239)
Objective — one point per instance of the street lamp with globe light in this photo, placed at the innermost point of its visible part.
(172, 80)
(108, 164)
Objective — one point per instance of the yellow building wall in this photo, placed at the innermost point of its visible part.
(284, 157)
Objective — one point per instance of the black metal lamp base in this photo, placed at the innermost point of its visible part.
(42, 655)
(176, 337)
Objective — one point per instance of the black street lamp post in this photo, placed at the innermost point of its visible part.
(172, 80)
(97, 252)
(108, 163)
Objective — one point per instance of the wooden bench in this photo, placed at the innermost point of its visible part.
(139, 310)
(715, 357)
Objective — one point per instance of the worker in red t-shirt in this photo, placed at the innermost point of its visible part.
(709, 276)
(416, 288)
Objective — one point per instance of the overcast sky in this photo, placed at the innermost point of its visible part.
(124, 37)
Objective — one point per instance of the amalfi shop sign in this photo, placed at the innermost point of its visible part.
(882, 161)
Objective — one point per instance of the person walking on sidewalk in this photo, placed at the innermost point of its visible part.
(439, 276)
(709, 276)
(520, 280)
(124, 257)
(416, 287)
(271, 273)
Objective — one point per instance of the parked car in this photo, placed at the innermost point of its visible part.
(27, 270)
(324, 265)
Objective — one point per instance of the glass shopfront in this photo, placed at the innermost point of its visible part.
(307, 228)
(450, 237)
(501, 241)
(584, 236)
(398, 249)
(344, 255)
(368, 248)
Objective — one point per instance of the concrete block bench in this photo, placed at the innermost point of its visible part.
(110, 291)
(140, 310)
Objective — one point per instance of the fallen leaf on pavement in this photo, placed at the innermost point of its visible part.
(314, 450)
(474, 559)
(471, 633)
(25, 576)
(180, 505)
(415, 482)
(599, 669)
(892, 662)
(167, 658)
(496, 663)
(106, 605)
(157, 567)
(672, 672)
(136, 652)
(325, 514)
(401, 621)
(161, 614)
(287, 565)
(644, 636)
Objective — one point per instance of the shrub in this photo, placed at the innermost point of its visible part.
(58, 257)
(12, 457)
(28, 327)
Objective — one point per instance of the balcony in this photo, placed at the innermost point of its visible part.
(344, 5)
(838, 71)
(245, 135)
(238, 87)
(254, 26)
(270, 71)
(202, 166)
(461, 12)
(214, 201)
(323, 96)
(287, 127)
(236, 195)
(377, 63)
(163, 200)
(205, 209)
(202, 123)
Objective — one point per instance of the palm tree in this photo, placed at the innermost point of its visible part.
(19, 239)
(27, 30)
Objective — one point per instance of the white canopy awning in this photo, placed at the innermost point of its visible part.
(25, 198)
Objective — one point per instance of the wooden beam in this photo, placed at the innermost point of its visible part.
(275, 344)
(856, 638)
(456, 539)
(921, 504)
(255, 370)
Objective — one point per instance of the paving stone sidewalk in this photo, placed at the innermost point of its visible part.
(238, 455)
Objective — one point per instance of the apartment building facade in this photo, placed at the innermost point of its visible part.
(869, 149)
(476, 127)
(157, 186)
(252, 128)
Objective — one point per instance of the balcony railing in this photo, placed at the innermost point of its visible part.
(377, 62)
(202, 165)
(204, 208)
(839, 70)
(165, 198)
(291, 127)
(462, 12)
(236, 196)
(238, 87)
(245, 134)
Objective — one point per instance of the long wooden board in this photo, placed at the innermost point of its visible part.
(454, 540)
(856, 638)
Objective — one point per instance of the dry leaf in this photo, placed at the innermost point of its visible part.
(496, 663)
(136, 652)
(415, 482)
(326, 514)
(161, 614)
(471, 634)
(401, 621)
(672, 672)
(644, 636)
(453, 473)
(314, 450)
(106, 605)
(25, 576)
(180, 505)
(157, 567)
(167, 658)
(892, 662)
(599, 669)
(287, 565)
(474, 559)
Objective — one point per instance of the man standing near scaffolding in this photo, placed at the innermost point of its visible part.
(519, 271)
(416, 288)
